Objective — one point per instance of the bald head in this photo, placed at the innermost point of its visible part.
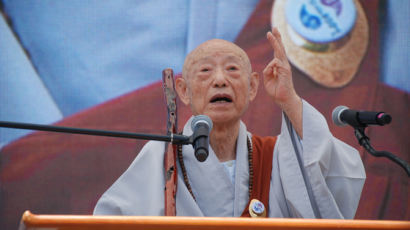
(210, 49)
(218, 82)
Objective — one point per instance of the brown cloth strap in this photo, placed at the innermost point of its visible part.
(262, 156)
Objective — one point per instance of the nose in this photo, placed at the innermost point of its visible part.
(220, 79)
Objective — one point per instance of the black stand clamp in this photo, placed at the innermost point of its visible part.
(365, 142)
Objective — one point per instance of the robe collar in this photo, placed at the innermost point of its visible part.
(214, 192)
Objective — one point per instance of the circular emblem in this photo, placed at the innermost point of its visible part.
(324, 39)
(257, 209)
(321, 21)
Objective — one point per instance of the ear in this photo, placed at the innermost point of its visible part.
(253, 84)
(182, 89)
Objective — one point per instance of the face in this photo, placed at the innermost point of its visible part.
(218, 82)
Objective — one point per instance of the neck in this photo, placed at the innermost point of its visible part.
(223, 140)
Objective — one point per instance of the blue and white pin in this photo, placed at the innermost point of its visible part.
(257, 209)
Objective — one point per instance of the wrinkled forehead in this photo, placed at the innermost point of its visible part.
(212, 48)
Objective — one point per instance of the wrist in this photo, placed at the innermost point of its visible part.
(294, 109)
(293, 102)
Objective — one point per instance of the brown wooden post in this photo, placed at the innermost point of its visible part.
(170, 164)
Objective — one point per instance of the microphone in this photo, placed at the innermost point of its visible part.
(342, 116)
(201, 126)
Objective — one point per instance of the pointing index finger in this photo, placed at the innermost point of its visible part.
(276, 42)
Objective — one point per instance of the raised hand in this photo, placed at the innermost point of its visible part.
(277, 75)
(277, 78)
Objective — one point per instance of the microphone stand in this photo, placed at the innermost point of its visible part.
(173, 138)
(365, 142)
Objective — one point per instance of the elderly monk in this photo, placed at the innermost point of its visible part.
(304, 172)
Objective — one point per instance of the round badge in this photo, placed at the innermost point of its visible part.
(257, 209)
(330, 55)
(321, 21)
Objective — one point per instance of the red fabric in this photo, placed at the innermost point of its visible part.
(262, 155)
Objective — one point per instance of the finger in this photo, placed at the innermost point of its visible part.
(280, 68)
(275, 40)
(271, 40)
(269, 69)
(275, 72)
(277, 34)
(280, 46)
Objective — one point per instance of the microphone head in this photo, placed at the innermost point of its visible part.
(336, 115)
(201, 119)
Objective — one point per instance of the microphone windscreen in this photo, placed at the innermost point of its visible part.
(336, 115)
(199, 119)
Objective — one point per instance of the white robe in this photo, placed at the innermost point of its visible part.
(327, 186)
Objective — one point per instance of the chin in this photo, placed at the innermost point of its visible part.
(218, 118)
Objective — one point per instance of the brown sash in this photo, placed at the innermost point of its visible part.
(262, 155)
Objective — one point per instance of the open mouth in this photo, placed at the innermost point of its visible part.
(220, 98)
